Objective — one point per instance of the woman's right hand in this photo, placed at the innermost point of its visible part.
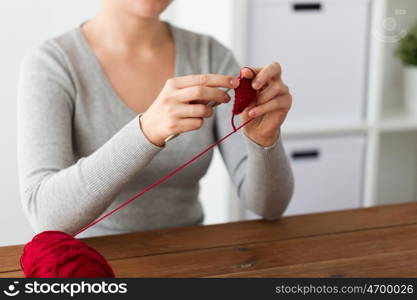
(182, 106)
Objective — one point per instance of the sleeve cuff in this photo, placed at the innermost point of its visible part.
(255, 146)
(144, 140)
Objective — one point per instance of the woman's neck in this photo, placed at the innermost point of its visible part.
(124, 33)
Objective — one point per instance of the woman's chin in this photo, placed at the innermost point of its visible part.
(146, 8)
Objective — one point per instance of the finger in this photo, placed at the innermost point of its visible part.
(213, 103)
(278, 103)
(244, 115)
(211, 80)
(272, 90)
(249, 73)
(205, 102)
(202, 93)
(269, 72)
(193, 111)
(210, 103)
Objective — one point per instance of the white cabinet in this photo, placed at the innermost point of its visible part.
(322, 46)
(340, 88)
(328, 171)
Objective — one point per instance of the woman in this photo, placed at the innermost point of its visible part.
(96, 105)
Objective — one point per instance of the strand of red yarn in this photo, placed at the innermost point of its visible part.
(244, 95)
(166, 177)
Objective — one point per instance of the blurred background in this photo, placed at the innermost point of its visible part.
(351, 66)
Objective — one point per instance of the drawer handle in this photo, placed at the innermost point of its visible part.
(307, 154)
(307, 6)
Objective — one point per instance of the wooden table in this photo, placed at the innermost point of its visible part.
(371, 242)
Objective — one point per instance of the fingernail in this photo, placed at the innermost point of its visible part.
(256, 84)
(252, 113)
(234, 82)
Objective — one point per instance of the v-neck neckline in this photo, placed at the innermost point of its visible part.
(104, 78)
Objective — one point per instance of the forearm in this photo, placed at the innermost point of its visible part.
(70, 198)
(267, 185)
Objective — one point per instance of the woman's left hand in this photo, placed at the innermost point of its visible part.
(271, 107)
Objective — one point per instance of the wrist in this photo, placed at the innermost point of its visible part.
(264, 140)
(150, 136)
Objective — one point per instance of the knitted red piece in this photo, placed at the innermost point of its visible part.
(55, 254)
(244, 95)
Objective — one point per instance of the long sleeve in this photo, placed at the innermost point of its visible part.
(262, 175)
(59, 192)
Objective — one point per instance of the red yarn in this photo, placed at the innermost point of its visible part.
(245, 94)
(55, 254)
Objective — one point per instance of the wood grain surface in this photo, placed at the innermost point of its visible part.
(370, 242)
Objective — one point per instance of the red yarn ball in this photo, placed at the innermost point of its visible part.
(55, 254)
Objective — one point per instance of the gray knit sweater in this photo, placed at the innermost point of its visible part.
(82, 151)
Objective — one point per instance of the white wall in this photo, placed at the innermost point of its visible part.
(24, 24)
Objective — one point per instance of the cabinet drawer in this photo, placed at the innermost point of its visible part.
(328, 173)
